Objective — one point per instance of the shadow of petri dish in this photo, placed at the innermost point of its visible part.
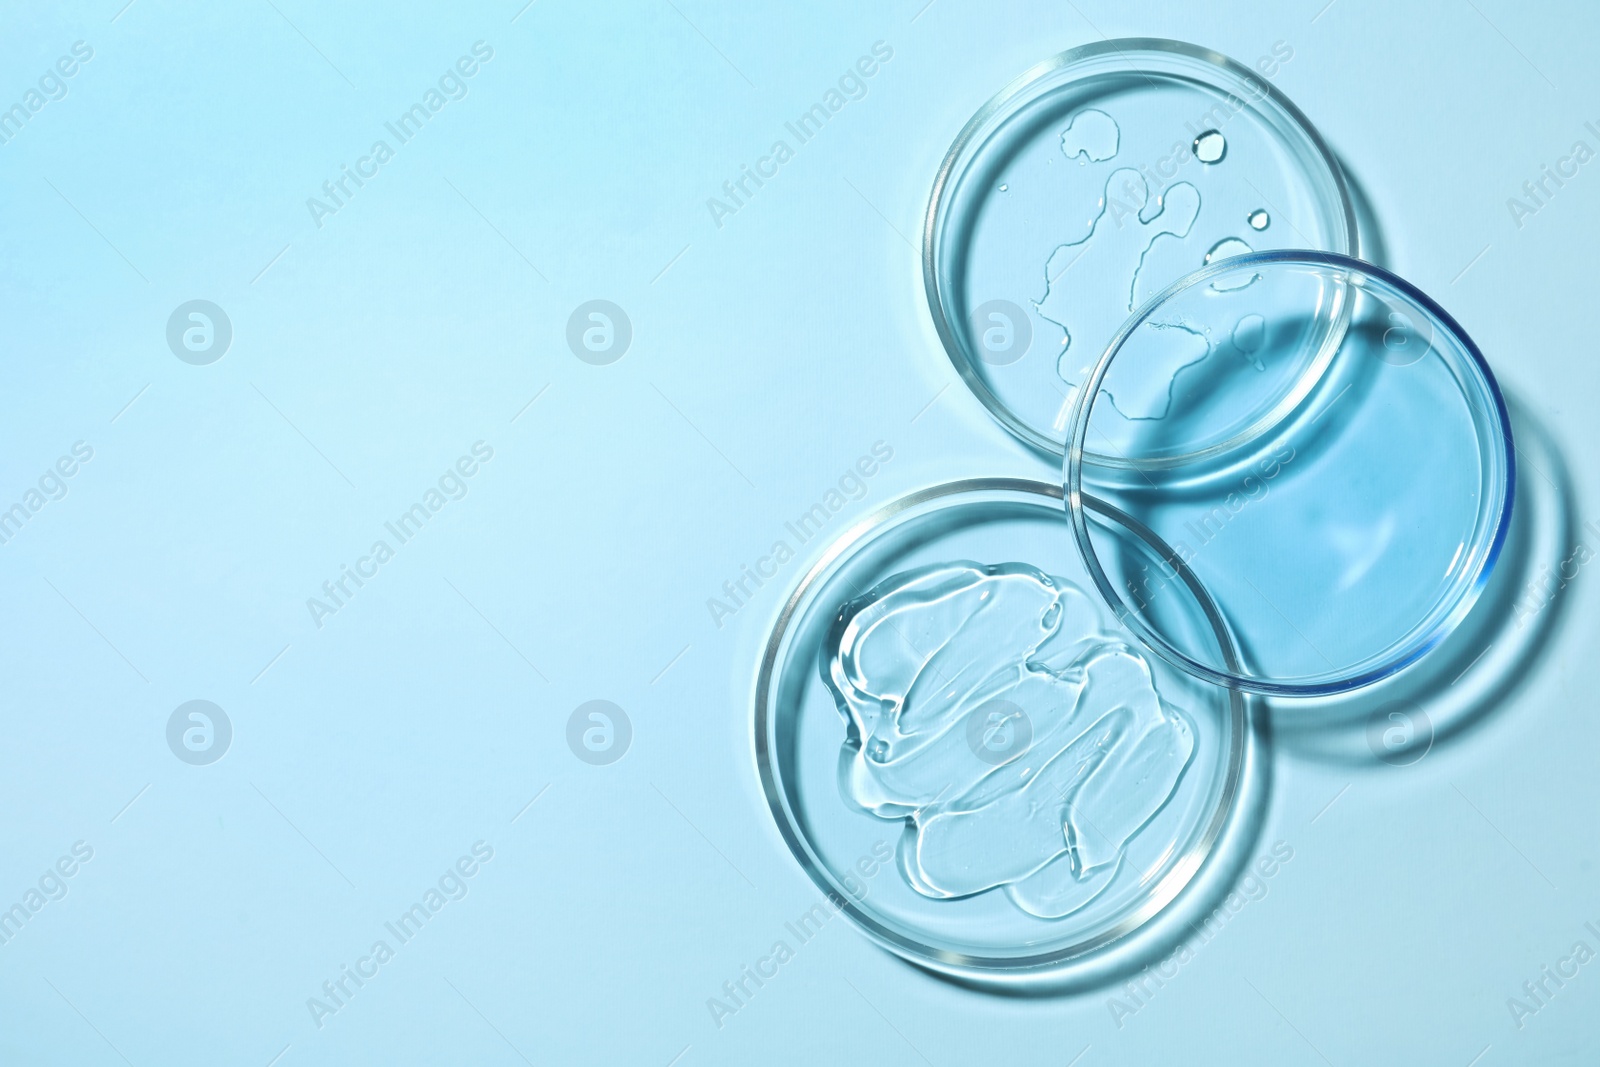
(1374, 248)
(1477, 670)
(1340, 485)
(1088, 185)
(1185, 850)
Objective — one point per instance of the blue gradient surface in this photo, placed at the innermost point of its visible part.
(416, 725)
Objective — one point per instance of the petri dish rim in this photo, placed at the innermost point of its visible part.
(1179, 873)
(1415, 645)
(954, 162)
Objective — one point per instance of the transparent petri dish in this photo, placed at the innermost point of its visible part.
(970, 757)
(1091, 183)
(1323, 448)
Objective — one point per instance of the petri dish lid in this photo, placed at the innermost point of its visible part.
(1322, 447)
(1091, 183)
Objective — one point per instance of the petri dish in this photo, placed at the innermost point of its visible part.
(1091, 183)
(1003, 797)
(1324, 450)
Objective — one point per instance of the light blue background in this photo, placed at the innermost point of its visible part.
(768, 354)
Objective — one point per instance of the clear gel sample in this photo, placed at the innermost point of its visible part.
(1051, 723)
(1023, 745)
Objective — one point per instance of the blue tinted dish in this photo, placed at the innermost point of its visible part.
(1320, 444)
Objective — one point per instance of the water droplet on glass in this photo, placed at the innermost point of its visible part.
(1259, 219)
(1228, 246)
(1210, 147)
(1223, 249)
(1004, 187)
(1248, 335)
(1091, 137)
(878, 750)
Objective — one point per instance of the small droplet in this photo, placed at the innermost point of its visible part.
(1249, 332)
(1258, 219)
(1228, 246)
(1051, 614)
(1091, 137)
(878, 750)
(1004, 187)
(1210, 147)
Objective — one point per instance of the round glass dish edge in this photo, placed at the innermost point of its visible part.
(1182, 872)
(1075, 459)
(953, 348)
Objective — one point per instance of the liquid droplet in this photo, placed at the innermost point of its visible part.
(1258, 219)
(1091, 137)
(1223, 249)
(1210, 147)
(1004, 187)
(1248, 335)
(1228, 246)
(878, 750)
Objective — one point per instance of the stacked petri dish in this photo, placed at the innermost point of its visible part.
(1009, 726)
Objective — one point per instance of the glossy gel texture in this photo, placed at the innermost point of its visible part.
(934, 664)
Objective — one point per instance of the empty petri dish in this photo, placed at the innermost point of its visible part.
(1090, 184)
(1323, 449)
(970, 756)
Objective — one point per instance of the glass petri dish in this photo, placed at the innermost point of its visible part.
(1091, 183)
(1323, 448)
(1004, 798)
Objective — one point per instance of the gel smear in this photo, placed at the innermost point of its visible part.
(1039, 799)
